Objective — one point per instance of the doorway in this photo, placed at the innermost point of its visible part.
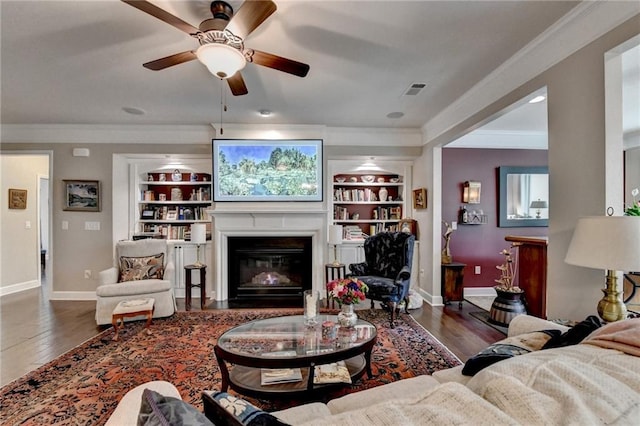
(25, 230)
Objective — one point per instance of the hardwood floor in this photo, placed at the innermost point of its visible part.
(34, 331)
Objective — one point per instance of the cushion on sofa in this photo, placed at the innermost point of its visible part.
(141, 268)
(575, 334)
(157, 409)
(508, 348)
(225, 409)
(380, 394)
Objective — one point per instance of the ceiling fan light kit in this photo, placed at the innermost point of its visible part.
(222, 60)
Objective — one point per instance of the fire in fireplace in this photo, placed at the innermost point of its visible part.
(269, 271)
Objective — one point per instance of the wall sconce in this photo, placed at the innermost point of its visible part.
(471, 192)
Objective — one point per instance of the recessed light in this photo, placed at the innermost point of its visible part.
(396, 114)
(134, 110)
(264, 112)
(537, 99)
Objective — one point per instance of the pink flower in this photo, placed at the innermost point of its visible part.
(347, 291)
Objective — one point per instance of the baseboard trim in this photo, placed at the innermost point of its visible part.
(17, 288)
(72, 295)
(479, 291)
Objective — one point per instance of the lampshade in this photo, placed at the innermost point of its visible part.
(606, 242)
(199, 233)
(538, 204)
(335, 234)
(222, 60)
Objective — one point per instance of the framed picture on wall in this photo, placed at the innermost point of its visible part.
(82, 195)
(420, 198)
(17, 199)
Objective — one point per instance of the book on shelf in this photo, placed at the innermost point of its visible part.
(272, 376)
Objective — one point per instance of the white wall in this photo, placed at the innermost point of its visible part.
(20, 246)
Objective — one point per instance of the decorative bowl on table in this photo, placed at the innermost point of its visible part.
(367, 178)
(340, 179)
(353, 179)
(394, 180)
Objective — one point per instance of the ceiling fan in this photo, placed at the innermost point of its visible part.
(221, 41)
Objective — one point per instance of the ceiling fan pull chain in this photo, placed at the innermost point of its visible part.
(222, 106)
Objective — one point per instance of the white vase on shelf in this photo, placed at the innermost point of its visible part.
(383, 194)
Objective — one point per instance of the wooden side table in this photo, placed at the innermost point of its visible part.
(333, 272)
(452, 282)
(188, 269)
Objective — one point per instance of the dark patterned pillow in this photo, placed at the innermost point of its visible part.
(157, 409)
(141, 268)
(508, 348)
(575, 334)
(225, 409)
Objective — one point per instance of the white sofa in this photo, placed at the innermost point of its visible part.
(580, 384)
(110, 292)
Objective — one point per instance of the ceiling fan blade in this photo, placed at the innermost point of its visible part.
(236, 84)
(277, 62)
(162, 15)
(249, 16)
(169, 61)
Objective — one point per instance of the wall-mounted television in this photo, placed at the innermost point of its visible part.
(267, 170)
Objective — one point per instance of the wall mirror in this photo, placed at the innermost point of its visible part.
(524, 197)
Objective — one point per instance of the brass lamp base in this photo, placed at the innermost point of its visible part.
(610, 307)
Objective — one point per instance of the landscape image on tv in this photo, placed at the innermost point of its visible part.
(256, 170)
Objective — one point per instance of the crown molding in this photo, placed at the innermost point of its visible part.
(107, 133)
(583, 24)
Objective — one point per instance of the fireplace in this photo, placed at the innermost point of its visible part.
(269, 271)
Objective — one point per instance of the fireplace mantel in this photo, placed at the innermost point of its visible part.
(272, 222)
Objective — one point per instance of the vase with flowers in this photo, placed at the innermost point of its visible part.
(508, 304)
(347, 292)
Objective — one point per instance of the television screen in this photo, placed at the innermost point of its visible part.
(267, 170)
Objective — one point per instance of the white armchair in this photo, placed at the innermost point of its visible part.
(144, 268)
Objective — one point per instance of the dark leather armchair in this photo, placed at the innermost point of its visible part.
(386, 269)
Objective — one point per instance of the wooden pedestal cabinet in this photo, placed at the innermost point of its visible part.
(452, 280)
(532, 272)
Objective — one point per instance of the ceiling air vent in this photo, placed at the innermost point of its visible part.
(414, 89)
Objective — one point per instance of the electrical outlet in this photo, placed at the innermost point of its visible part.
(454, 225)
(477, 270)
(87, 274)
(65, 225)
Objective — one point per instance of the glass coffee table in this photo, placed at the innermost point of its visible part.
(250, 352)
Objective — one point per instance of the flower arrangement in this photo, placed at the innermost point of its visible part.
(347, 291)
(508, 271)
(634, 210)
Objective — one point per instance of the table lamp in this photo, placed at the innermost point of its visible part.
(198, 236)
(335, 239)
(611, 243)
(538, 204)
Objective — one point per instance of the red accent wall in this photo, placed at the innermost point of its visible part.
(480, 245)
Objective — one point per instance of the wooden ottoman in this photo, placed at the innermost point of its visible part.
(132, 308)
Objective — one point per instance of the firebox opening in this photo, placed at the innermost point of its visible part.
(269, 271)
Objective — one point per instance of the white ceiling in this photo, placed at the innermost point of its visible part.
(80, 62)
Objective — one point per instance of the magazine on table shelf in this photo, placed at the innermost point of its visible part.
(272, 376)
(336, 372)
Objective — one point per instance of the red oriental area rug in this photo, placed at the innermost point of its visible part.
(84, 385)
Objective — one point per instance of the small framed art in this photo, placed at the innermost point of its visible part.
(17, 199)
(420, 198)
(82, 195)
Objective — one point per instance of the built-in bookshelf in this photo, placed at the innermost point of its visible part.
(365, 204)
(169, 203)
